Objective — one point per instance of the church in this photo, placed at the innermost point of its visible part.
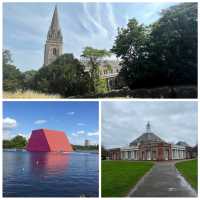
(54, 43)
(149, 146)
(54, 48)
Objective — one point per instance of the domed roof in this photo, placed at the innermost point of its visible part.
(146, 138)
(182, 143)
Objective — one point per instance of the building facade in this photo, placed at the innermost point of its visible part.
(87, 143)
(54, 43)
(150, 147)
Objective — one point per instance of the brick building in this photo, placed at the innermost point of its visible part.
(149, 146)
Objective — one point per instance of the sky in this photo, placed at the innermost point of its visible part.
(123, 122)
(79, 120)
(25, 26)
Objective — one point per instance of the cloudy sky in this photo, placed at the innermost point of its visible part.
(25, 26)
(122, 122)
(79, 120)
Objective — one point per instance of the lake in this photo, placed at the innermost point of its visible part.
(28, 174)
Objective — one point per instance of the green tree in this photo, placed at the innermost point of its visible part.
(6, 57)
(65, 76)
(103, 153)
(130, 47)
(93, 58)
(7, 144)
(12, 77)
(164, 53)
(29, 80)
(174, 44)
(16, 142)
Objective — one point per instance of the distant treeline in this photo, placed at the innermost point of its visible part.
(85, 148)
(161, 54)
(20, 142)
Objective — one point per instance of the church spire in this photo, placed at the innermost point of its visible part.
(148, 127)
(54, 42)
(55, 21)
(54, 32)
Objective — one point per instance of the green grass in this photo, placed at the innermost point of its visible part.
(189, 170)
(118, 177)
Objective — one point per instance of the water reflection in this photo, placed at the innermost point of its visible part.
(48, 162)
(28, 174)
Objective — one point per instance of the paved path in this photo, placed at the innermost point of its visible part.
(163, 181)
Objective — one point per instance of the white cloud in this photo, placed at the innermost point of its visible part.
(9, 123)
(93, 133)
(70, 113)
(80, 124)
(40, 121)
(78, 133)
(81, 132)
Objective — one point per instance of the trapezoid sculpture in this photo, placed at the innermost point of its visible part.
(44, 140)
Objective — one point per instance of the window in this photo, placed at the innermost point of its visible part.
(54, 51)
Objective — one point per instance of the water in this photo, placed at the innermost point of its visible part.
(28, 174)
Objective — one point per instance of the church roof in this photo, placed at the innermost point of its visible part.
(146, 138)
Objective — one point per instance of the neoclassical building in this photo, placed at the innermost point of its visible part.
(149, 146)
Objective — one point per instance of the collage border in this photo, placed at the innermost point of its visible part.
(96, 100)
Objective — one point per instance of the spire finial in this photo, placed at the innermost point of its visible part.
(55, 21)
(148, 127)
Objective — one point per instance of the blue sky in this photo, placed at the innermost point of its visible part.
(78, 119)
(25, 26)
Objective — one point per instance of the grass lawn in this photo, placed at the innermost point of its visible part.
(118, 177)
(189, 170)
(29, 94)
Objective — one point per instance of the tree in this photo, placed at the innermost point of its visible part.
(174, 44)
(7, 144)
(164, 53)
(6, 57)
(12, 77)
(103, 153)
(16, 142)
(130, 47)
(29, 80)
(93, 58)
(65, 76)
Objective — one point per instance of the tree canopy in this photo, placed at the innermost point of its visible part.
(93, 58)
(65, 76)
(16, 142)
(164, 53)
(12, 77)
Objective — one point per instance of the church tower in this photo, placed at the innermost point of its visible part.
(54, 42)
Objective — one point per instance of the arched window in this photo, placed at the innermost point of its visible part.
(54, 51)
